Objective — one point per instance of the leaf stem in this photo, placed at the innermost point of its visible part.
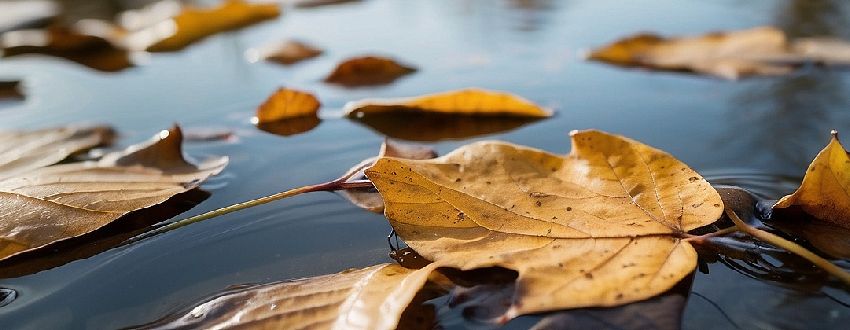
(792, 247)
(702, 238)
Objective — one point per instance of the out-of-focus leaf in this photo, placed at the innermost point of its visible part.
(369, 198)
(601, 226)
(320, 3)
(24, 151)
(469, 102)
(289, 52)
(287, 103)
(368, 298)
(825, 191)
(10, 91)
(25, 13)
(193, 24)
(90, 50)
(368, 71)
(54, 203)
(428, 127)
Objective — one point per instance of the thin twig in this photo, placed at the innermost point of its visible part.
(703, 238)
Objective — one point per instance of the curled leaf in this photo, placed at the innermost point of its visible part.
(468, 102)
(287, 103)
(369, 298)
(54, 203)
(290, 52)
(193, 24)
(601, 226)
(825, 191)
(367, 71)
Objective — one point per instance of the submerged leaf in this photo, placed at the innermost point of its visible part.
(53, 203)
(287, 103)
(289, 52)
(825, 191)
(367, 71)
(368, 298)
(193, 24)
(469, 102)
(599, 227)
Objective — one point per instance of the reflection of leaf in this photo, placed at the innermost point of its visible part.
(320, 3)
(826, 237)
(368, 298)
(58, 202)
(289, 52)
(193, 24)
(598, 227)
(825, 191)
(23, 14)
(24, 151)
(368, 70)
(368, 198)
(471, 102)
(11, 90)
(89, 50)
(291, 126)
(287, 103)
(436, 127)
(758, 51)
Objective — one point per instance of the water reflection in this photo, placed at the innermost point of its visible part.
(785, 118)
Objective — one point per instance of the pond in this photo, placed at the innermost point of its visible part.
(759, 133)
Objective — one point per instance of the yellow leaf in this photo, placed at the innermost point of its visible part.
(368, 298)
(287, 103)
(193, 24)
(757, 51)
(601, 226)
(471, 101)
(367, 71)
(49, 204)
(825, 191)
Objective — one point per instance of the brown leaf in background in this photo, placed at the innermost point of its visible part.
(599, 227)
(287, 103)
(368, 298)
(321, 3)
(53, 203)
(72, 44)
(369, 198)
(466, 102)
(289, 52)
(368, 71)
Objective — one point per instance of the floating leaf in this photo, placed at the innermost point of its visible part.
(369, 198)
(469, 102)
(599, 227)
(367, 71)
(193, 24)
(368, 298)
(287, 103)
(290, 52)
(320, 3)
(90, 50)
(825, 191)
(54, 203)
(24, 151)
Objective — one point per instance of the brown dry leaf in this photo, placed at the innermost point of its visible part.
(368, 71)
(757, 51)
(53, 203)
(468, 102)
(825, 191)
(290, 52)
(601, 226)
(368, 298)
(24, 151)
(369, 198)
(73, 44)
(287, 103)
(193, 24)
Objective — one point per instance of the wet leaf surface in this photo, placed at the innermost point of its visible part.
(368, 298)
(48, 204)
(286, 103)
(598, 227)
(368, 71)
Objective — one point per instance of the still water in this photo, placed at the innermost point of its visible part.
(760, 133)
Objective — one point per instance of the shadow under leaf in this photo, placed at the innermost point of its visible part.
(291, 126)
(105, 238)
(91, 51)
(437, 127)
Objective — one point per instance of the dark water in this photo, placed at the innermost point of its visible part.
(760, 133)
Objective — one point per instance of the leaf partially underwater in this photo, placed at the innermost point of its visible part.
(368, 71)
(825, 191)
(370, 298)
(602, 226)
(730, 55)
(49, 204)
